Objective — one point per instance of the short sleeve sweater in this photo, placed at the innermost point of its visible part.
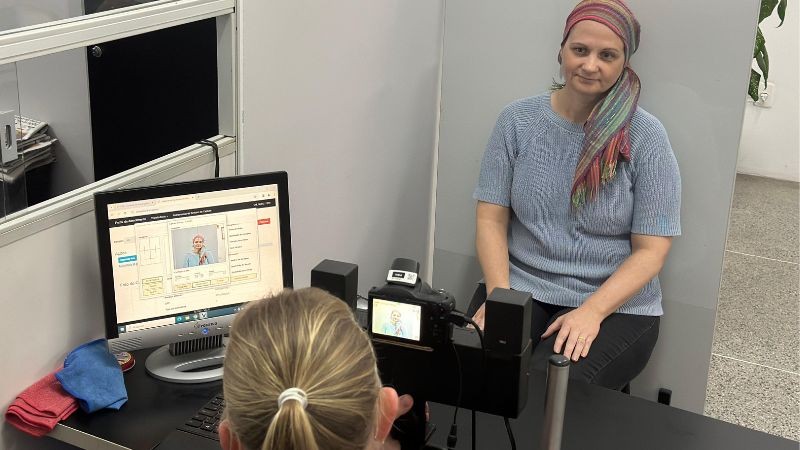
(559, 254)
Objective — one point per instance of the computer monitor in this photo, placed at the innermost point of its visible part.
(177, 261)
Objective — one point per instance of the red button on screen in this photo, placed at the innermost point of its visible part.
(263, 221)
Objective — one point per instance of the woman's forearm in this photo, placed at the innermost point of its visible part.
(645, 262)
(491, 243)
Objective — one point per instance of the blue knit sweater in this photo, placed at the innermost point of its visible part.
(559, 254)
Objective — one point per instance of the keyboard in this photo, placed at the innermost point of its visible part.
(206, 420)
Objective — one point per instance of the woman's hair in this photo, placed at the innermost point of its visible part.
(198, 235)
(304, 339)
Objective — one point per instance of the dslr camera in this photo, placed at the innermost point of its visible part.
(408, 312)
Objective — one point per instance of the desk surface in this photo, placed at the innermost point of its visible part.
(596, 418)
(153, 410)
(599, 418)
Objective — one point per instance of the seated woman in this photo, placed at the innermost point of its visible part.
(199, 256)
(578, 200)
(301, 374)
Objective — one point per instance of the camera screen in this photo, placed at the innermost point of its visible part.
(396, 319)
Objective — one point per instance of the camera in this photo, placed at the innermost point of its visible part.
(408, 312)
(424, 350)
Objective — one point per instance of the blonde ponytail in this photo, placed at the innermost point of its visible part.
(290, 428)
(306, 340)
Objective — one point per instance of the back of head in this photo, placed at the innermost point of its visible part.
(307, 340)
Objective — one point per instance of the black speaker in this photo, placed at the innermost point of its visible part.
(338, 278)
(508, 321)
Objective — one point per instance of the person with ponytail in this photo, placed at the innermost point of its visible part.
(578, 200)
(300, 374)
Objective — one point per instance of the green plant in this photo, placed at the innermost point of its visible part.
(760, 51)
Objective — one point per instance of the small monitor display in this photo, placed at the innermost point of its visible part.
(179, 257)
(395, 319)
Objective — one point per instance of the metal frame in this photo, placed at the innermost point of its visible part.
(80, 201)
(38, 40)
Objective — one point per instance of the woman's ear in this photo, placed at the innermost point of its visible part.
(388, 413)
(228, 440)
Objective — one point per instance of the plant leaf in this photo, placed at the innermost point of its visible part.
(767, 6)
(752, 88)
(760, 43)
(782, 11)
(763, 64)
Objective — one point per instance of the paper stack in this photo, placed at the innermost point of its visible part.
(34, 147)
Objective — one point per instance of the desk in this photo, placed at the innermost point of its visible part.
(153, 410)
(599, 418)
(596, 418)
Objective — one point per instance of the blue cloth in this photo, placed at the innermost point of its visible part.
(92, 375)
(560, 255)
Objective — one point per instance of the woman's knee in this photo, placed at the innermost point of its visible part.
(617, 357)
(625, 360)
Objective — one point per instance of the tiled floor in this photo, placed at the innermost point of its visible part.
(754, 379)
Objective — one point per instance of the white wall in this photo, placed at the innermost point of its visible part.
(694, 70)
(343, 96)
(51, 303)
(770, 144)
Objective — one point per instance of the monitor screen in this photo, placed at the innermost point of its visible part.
(178, 261)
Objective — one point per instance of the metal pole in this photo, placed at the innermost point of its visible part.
(555, 402)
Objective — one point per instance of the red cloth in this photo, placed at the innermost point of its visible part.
(39, 408)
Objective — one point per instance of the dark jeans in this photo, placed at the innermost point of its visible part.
(618, 354)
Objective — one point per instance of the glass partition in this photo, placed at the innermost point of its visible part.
(162, 80)
(12, 172)
(25, 13)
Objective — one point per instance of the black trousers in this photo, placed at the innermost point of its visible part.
(618, 354)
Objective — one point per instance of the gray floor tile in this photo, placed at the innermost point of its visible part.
(758, 312)
(765, 218)
(754, 397)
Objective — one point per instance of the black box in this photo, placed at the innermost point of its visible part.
(508, 321)
(338, 278)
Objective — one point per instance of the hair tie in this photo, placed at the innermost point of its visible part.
(293, 394)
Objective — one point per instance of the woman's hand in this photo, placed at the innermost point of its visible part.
(480, 316)
(577, 330)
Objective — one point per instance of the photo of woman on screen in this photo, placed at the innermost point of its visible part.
(199, 256)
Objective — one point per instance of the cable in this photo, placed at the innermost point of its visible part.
(480, 336)
(483, 365)
(508, 425)
(458, 363)
(215, 147)
(452, 438)
(510, 434)
(461, 319)
(473, 430)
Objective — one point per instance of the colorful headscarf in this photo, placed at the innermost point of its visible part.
(607, 130)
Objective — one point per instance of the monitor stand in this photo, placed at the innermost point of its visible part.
(188, 367)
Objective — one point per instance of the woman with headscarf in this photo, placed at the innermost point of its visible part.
(199, 256)
(578, 200)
